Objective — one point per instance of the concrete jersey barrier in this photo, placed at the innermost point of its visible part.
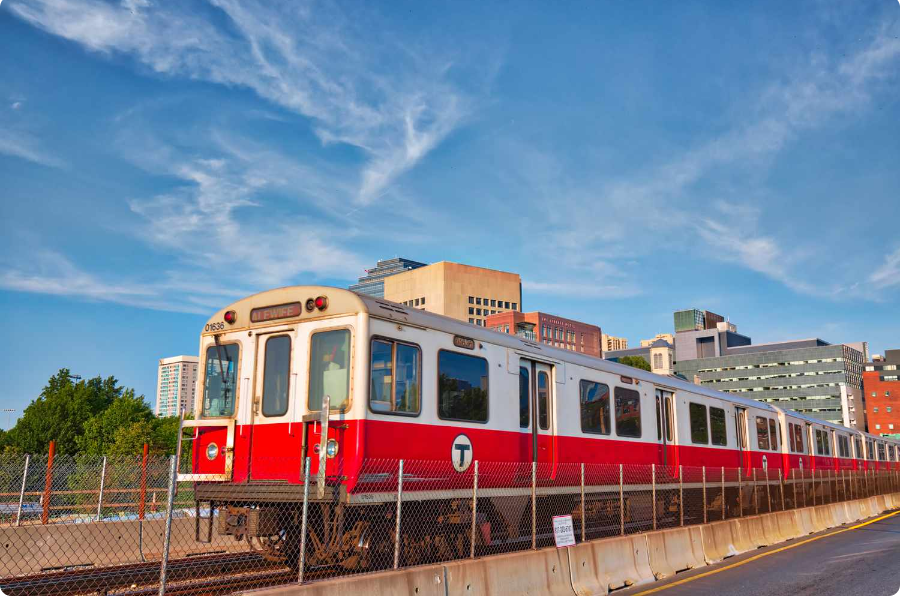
(598, 567)
(542, 572)
(673, 550)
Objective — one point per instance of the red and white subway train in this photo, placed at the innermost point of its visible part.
(403, 383)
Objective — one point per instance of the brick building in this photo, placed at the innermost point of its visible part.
(549, 329)
(880, 390)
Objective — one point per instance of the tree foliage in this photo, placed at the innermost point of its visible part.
(92, 417)
(635, 361)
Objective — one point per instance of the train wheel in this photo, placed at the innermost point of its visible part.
(282, 547)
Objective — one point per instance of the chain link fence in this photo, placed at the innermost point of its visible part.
(86, 525)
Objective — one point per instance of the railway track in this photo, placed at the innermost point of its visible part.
(185, 576)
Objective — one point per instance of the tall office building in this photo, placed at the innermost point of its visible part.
(549, 329)
(809, 376)
(881, 395)
(694, 319)
(373, 283)
(460, 291)
(176, 385)
(609, 343)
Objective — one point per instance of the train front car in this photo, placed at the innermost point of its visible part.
(268, 364)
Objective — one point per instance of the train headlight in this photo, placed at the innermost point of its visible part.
(212, 451)
(331, 448)
(230, 317)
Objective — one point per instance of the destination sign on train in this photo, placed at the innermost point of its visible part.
(275, 312)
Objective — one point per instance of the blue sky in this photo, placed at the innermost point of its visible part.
(159, 160)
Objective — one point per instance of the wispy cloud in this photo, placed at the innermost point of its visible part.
(595, 221)
(22, 145)
(305, 57)
(888, 273)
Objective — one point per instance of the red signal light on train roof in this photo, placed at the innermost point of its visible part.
(321, 303)
(230, 317)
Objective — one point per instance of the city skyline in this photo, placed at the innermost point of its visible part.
(619, 191)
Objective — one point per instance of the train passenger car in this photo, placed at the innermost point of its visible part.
(355, 383)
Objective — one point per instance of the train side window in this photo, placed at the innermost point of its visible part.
(524, 397)
(881, 451)
(791, 437)
(774, 442)
(697, 416)
(627, 405)
(395, 378)
(220, 380)
(763, 440)
(595, 407)
(827, 444)
(462, 387)
(819, 435)
(543, 400)
(276, 370)
(329, 369)
(718, 426)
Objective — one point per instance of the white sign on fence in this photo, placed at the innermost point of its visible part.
(563, 531)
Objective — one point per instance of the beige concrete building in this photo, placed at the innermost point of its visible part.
(460, 291)
(609, 343)
(668, 338)
(176, 385)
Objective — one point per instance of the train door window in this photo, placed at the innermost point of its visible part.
(329, 369)
(858, 448)
(826, 444)
(741, 418)
(881, 451)
(819, 437)
(668, 413)
(627, 405)
(870, 453)
(524, 397)
(718, 426)
(220, 383)
(595, 407)
(395, 378)
(791, 437)
(462, 387)
(774, 442)
(763, 440)
(276, 370)
(543, 401)
(799, 438)
(697, 416)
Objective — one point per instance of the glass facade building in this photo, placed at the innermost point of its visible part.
(373, 283)
(176, 385)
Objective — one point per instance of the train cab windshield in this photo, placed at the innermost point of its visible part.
(221, 377)
(330, 369)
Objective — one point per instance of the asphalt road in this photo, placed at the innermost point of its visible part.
(862, 561)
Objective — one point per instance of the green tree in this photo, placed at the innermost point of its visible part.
(635, 361)
(100, 429)
(60, 413)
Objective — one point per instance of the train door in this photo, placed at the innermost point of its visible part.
(667, 455)
(741, 433)
(541, 388)
(811, 459)
(273, 453)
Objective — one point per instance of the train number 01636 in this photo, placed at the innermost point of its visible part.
(214, 327)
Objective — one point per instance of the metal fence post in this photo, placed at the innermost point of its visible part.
(769, 502)
(582, 481)
(170, 500)
(143, 502)
(622, 505)
(303, 520)
(844, 488)
(534, 514)
(400, 494)
(741, 506)
(48, 484)
(100, 494)
(813, 486)
(794, 491)
(681, 509)
(22, 491)
(704, 490)
(723, 489)
(654, 495)
(782, 489)
(754, 491)
(475, 491)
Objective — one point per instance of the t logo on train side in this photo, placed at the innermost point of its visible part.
(461, 453)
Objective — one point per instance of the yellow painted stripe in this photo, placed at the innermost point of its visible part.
(762, 555)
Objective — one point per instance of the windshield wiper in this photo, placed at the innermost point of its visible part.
(222, 372)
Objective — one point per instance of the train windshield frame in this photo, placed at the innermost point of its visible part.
(219, 398)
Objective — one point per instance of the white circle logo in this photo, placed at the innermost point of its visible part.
(461, 453)
(764, 462)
